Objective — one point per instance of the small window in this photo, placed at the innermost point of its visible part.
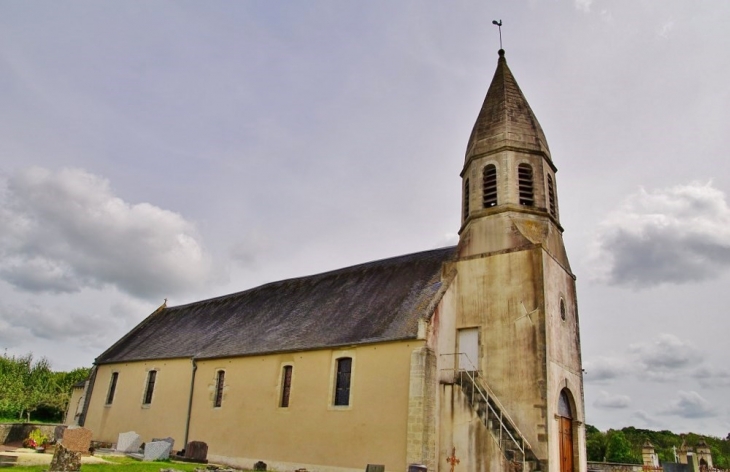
(151, 377)
(562, 309)
(551, 196)
(564, 409)
(286, 385)
(524, 180)
(219, 382)
(112, 388)
(489, 186)
(342, 385)
(466, 199)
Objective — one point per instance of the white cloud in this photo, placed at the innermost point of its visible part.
(583, 5)
(666, 352)
(689, 405)
(64, 231)
(673, 235)
(606, 400)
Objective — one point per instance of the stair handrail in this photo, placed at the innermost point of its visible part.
(490, 394)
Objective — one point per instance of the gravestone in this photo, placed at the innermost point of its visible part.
(157, 450)
(58, 432)
(260, 466)
(65, 460)
(128, 442)
(375, 468)
(167, 439)
(197, 451)
(77, 439)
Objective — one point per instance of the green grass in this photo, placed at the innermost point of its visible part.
(120, 464)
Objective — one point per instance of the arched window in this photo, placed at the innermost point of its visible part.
(551, 196)
(489, 186)
(149, 390)
(466, 199)
(524, 181)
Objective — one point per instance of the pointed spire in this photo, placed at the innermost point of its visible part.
(506, 119)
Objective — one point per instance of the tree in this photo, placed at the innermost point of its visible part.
(618, 448)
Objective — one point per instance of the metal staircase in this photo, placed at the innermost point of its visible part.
(515, 448)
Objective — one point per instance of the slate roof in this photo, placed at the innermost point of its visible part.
(506, 119)
(373, 302)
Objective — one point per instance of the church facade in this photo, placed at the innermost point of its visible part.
(464, 358)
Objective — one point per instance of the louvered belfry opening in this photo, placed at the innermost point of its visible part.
(524, 180)
(551, 196)
(466, 199)
(489, 186)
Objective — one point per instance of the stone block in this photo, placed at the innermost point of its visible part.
(128, 442)
(77, 439)
(375, 468)
(65, 460)
(157, 450)
(197, 451)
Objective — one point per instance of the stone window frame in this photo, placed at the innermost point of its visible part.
(113, 381)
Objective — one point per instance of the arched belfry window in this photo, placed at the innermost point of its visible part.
(489, 186)
(524, 181)
(551, 196)
(466, 199)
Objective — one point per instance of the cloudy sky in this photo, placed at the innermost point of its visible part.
(183, 150)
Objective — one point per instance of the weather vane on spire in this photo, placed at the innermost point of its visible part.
(499, 24)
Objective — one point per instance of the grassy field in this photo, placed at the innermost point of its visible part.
(120, 464)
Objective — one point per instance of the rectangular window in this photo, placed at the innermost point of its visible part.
(151, 376)
(342, 386)
(112, 388)
(219, 389)
(286, 386)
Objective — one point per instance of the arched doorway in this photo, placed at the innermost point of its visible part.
(565, 415)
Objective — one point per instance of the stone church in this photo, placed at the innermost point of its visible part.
(461, 359)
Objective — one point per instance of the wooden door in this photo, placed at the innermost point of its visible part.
(566, 445)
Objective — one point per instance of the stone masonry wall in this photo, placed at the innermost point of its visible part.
(13, 432)
(421, 440)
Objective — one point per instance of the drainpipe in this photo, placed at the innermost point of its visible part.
(190, 401)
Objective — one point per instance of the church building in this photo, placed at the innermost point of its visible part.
(460, 359)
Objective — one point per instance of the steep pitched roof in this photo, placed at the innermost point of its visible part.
(373, 302)
(506, 119)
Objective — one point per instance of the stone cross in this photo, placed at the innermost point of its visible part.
(452, 460)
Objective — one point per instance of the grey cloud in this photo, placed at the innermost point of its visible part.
(65, 231)
(604, 369)
(36, 322)
(606, 400)
(673, 235)
(711, 377)
(689, 405)
(646, 420)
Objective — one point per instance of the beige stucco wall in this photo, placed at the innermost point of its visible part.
(75, 406)
(165, 416)
(250, 426)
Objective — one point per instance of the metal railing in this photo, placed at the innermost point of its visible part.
(462, 363)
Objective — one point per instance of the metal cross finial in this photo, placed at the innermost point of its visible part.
(499, 24)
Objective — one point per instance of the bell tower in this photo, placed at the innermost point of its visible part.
(515, 285)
